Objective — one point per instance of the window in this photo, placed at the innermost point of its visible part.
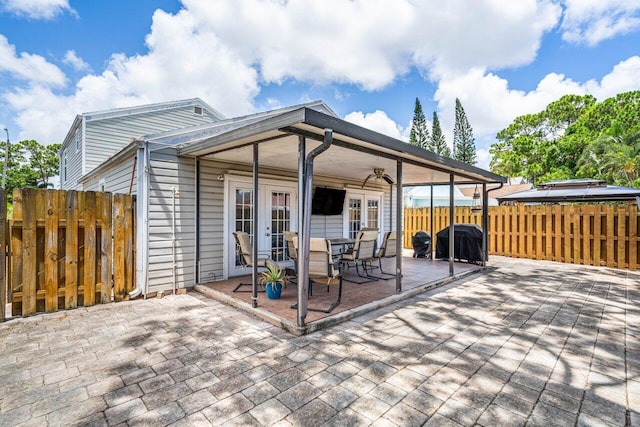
(197, 110)
(78, 139)
(64, 165)
(101, 185)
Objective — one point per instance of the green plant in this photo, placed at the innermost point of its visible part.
(273, 274)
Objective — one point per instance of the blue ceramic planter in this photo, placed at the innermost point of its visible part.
(274, 290)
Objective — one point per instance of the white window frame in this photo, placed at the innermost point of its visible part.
(364, 194)
(64, 165)
(101, 185)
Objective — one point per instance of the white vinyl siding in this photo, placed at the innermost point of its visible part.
(105, 137)
(211, 221)
(117, 178)
(71, 164)
(168, 171)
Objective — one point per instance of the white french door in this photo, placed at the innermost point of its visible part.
(277, 206)
(362, 210)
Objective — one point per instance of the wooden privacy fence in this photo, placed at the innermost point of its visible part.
(65, 249)
(601, 235)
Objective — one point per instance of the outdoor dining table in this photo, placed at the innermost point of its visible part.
(343, 244)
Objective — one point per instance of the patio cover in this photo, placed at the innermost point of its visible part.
(315, 143)
(577, 190)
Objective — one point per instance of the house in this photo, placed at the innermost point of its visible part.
(420, 197)
(94, 137)
(198, 183)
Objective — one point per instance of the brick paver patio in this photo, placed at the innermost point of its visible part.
(527, 343)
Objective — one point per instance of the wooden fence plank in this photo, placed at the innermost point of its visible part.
(29, 248)
(71, 252)
(16, 256)
(129, 249)
(610, 242)
(3, 254)
(51, 251)
(119, 271)
(548, 232)
(597, 236)
(90, 253)
(106, 256)
(633, 238)
(62, 246)
(621, 258)
(40, 208)
(568, 223)
(557, 233)
(587, 234)
(537, 220)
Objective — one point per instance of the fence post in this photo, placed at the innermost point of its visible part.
(3, 254)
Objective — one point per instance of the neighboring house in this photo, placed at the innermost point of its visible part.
(420, 197)
(499, 192)
(94, 137)
(195, 184)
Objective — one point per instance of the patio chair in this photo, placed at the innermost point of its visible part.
(362, 255)
(245, 252)
(387, 250)
(323, 270)
(292, 252)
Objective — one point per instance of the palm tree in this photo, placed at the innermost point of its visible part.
(615, 159)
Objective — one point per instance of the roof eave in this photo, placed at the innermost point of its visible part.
(321, 121)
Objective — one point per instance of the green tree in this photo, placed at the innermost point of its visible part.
(419, 135)
(539, 147)
(30, 165)
(615, 159)
(438, 141)
(464, 147)
(43, 159)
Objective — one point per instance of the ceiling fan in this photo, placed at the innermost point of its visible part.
(379, 175)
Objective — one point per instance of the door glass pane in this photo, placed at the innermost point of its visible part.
(280, 221)
(355, 217)
(244, 212)
(372, 214)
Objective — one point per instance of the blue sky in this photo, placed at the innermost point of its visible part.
(367, 59)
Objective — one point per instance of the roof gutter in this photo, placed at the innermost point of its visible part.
(305, 229)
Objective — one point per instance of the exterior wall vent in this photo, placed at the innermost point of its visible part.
(197, 110)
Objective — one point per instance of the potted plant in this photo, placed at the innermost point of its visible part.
(273, 278)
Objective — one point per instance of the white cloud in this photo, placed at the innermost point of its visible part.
(353, 42)
(37, 9)
(483, 157)
(27, 67)
(377, 121)
(592, 21)
(75, 61)
(223, 51)
(182, 62)
(491, 105)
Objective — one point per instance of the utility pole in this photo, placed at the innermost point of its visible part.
(6, 160)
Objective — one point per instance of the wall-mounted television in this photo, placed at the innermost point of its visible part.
(327, 201)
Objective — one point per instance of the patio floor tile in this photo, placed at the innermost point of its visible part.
(523, 343)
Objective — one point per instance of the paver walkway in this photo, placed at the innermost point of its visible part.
(529, 343)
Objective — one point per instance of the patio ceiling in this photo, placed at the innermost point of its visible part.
(354, 154)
